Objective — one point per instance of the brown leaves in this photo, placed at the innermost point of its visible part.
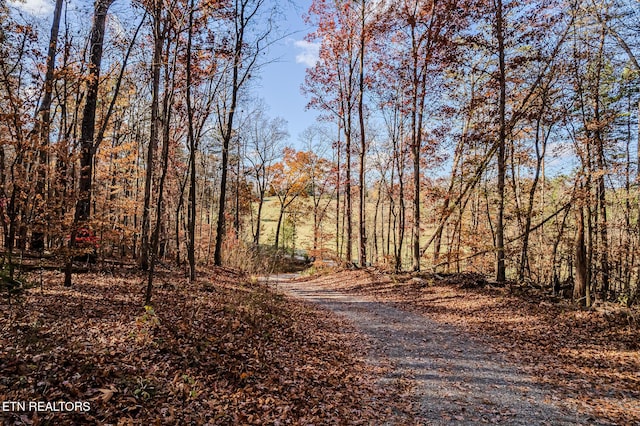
(239, 355)
(105, 394)
(591, 357)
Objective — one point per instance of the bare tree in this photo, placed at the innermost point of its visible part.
(264, 146)
(249, 43)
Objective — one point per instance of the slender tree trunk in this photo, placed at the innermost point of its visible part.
(391, 203)
(256, 236)
(41, 129)
(338, 154)
(178, 218)
(541, 137)
(87, 130)
(191, 217)
(600, 161)
(3, 194)
(402, 218)
(581, 284)
(279, 225)
(227, 134)
(500, 269)
(416, 208)
(363, 145)
(348, 195)
(155, 239)
(220, 228)
(419, 87)
(153, 132)
(447, 199)
(629, 253)
(155, 249)
(376, 252)
(590, 239)
(316, 207)
(236, 218)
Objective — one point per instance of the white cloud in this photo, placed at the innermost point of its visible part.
(116, 28)
(40, 8)
(309, 54)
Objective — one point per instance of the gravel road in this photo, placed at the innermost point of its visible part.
(455, 378)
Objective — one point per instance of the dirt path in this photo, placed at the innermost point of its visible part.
(456, 380)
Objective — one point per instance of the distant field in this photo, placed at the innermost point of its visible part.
(304, 226)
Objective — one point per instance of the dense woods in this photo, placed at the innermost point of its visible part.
(495, 137)
(466, 205)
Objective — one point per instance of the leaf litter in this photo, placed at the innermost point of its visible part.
(583, 363)
(223, 350)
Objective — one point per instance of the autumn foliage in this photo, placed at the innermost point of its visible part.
(221, 351)
(493, 138)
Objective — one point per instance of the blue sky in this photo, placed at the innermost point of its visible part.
(280, 79)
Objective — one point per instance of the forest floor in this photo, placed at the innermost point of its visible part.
(224, 350)
(228, 350)
(471, 353)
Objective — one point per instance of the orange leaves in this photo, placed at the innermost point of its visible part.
(105, 394)
(591, 357)
(290, 177)
(239, 355)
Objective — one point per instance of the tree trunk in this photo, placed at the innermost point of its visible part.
(280, 215)
(581, 284)
(236, 212)
(153, 132)
(256, 236)
(417, 110)
(191, 217)
(155, 239)
(500, 269)
(338, 153)
(347, 194)
(600, 161)
(227, 133)
(154, 252)
(87, 129)
(178, 217)
(445, 207)
(541, 136)
(363, 146)
(402, 213)
(376, 253)
(41, 129)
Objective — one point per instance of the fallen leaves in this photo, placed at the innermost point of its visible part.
(239, 355)
(105, 394)
(591, 358)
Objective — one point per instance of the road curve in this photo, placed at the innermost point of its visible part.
(456, 379)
